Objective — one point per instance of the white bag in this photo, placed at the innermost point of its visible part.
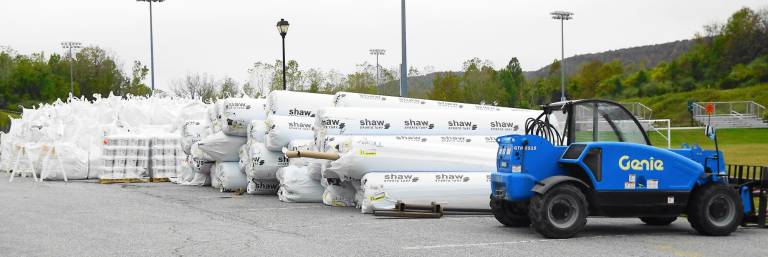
(193, 131)
(367, 121)
(64, 157)
(228, 177)
(221, 147)
(257, 131)
(264, 163)
(200, 165)
(290, 103)
(282, 129)
(347, 99)
(298, 186)
(237, 113)
(262, 186)
(340, 143)
(364, 156)
(339, 194)
(466, 190)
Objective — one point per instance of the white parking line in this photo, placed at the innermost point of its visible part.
(426, 247)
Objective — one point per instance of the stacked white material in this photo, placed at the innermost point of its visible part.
(347, 99)
(237, 113)
(296, 104)
(465, 190)
(257, 131)
(219, 147)
(340, 143)
(226, 176)
(340, 193)
(202, 172)
(166, 156)
(125, 156)
(192, 132)
(281, 130)
(298, 186)
(83, 124)
(263, 163)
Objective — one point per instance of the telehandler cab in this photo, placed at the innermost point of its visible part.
(593, 158)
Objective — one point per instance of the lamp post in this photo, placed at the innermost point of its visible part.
(377, 52)
(282, 27)
(562, 16)
(404, 64)
(70, 45)
(151, 41)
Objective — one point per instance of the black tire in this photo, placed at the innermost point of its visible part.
(561, 212)
(658, 221)
(509, 214)
(715, 210)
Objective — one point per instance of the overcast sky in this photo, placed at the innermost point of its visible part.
(224, 38)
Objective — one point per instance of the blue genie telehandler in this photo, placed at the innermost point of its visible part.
(593, 158)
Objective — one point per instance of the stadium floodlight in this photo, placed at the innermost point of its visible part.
(377, 52)
(282, 27)
(151, 41)
(71, 45)
(562, 16)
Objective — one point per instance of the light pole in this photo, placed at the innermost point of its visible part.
(151, 41)
(562, 16)
(404, 64)
(71, 45)
(282, 27)
(377, 52)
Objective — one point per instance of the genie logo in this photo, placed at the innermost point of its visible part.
(626, 163)
(373, 124)
(461, 125)
(418, 124)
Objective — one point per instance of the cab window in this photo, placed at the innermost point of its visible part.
(602, 121)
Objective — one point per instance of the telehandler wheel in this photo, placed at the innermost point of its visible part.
(715, 210)
(561, 212)
(658, 221)
(509, 215)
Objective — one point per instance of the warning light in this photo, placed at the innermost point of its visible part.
(710, 108)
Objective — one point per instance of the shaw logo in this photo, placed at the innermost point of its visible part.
(461, 125)
(418, 124)
(299, 126)
(373, 124)
(333, 124)
(297, 112)
(455, 139)
(237, 106)
(450, 105)
(504, 125)
(373, 97)
(282, 161)
(451, 178)
(400, 178)
(625, 163)
(411, 138)
(257, 185)
(410, 101)
(258, 161)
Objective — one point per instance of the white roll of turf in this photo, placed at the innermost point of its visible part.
(339, 194)
(339, 143)
(365, 156)
(193, 131)
(366, 121)
(257, 131)
(298, 186)
(347, 99)
(221, 147)
(237, 113)
(228, 177)
(466, 190)
(282, 129)
(300, 104)
(263, 163)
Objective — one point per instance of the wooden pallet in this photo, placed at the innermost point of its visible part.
(123, 180)
(159, 180)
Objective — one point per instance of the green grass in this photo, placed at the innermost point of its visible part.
(5, 122)
(674, 106)
(740, 146)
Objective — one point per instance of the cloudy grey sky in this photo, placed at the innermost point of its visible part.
(223, 38)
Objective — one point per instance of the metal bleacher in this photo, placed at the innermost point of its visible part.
(739, 114)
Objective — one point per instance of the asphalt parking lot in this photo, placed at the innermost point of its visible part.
(162, 219)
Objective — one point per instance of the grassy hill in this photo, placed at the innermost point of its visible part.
(5, 122)
(674, 106)
(740, 146)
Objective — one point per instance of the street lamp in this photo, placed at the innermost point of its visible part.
(151, 41)
(377, 52)
(282, 27)
(562, 16)
(70, 45)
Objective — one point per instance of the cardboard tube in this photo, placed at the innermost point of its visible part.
(312, 154)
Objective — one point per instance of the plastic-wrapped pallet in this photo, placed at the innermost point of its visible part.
(125, 156)
(298, 186)
(282, 129)
(366, 121)
(257, 131)
(262, 186)
(228, 178)
(290, 103)
(364, 156)
(193, 131)
(166, 156)
(338, 194)
(263, 162)
(347, 99)
(340, 143)
(237, 113)
(467, 190)
(221, 147)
